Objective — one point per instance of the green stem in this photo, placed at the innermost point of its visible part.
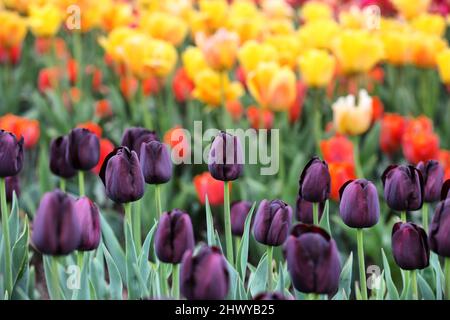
(362, 266)
(158, 200)
(269, 268)
(62, 184)
(137, 225)
(176, 281)
(317, 118)
(127, 207)
(425, 216)
(358, 168)
(403, 216)
(227, 219)
(447, 278)
(81, 183)
(415, 290)
(315, 213)
(55, 277)
(6, 237)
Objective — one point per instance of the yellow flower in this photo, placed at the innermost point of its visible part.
(13, 29)
(357, 51)
(116, 14)
(318, 34)
(317, 67)
(409, 9)
(45, 20)
(443, 62)
(315, 10)
(275, 9)
(280, 26)
(433, 24)
(272, 86)
(220, 49)
(114, 43)
(351, 117)
(211, 86)
(164, 26)
(397, 46)
(193, 61)
(288, 48)
(245, 19)
(424, 49)
(212, 15)
(161, 59)
(352, 19)
(252, 53)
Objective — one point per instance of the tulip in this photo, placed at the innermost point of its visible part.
(83, 149)
(45, 20)
(206, 186)
(445, 193)
(155, 161)
(12, 185)
(11, 154)
(133, 138)
(403, 188)
(204, 276)
(252, 53)
(304, 211)
(340, 173)
(21, 127)
(443, 61)
(312, 260)
(433, 176)
(337, 149)
(315, 181)
(56, 230)
(58, 161)
(271, 296)
(420, 142)
(88, 217)
(317, 67)
(220, 49)
(164, 26)
(408, 9)
(239, 212)
(122, 176)
(225, 161)
(106, 147)
(392, 130)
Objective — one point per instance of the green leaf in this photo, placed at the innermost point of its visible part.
(381, 291)
(83, 292)
(345, 278)
(115, 280)
(391, 289)
(113, 246)
(325, 220)
(209, 224)
(19, 253)
(134, 291)
(438, 275)
(14, 221)
(425, 290)
(144, 266)
(243, 246)
(53, 289)
(258, 280)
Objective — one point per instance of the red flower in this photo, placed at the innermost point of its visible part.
(241, 76)
(340, 173)
(22, 127)
(176, 139)
(295, 111)
(106, 147)
(377, 109)
(205, 184)
(92, 127)
(260, 118)
(10, 55)
(337, 149)
(72, 71)
(392, 130)
(419, 141)
(182, 86)
(48, 78)
(128, 87)
(103, 108)
(150, 86)
(235, 109)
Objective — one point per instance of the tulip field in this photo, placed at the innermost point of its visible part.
(225, 150)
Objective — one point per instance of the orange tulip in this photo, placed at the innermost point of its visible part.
(103, 108)
(260, 118)
(29, 129)
(106, 147)
(337, 149)
(392, 129)
(206, 185)
(182, 85)
(235, 109)
(340, 173)
(92, 127)
(419, 142)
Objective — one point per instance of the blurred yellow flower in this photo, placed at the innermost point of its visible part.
(211, 87)
(443, 62)
(353, 18)
(164, 26)
(357, 51)
(246, 20)
(288, 48)
(212, 15)
(276, 9)
(433, 24)
(353, 117)
(45, 20)
(272, 86)
(280, 26)
(161, 59)
(116, 14)
(424, 49)
(397, 47)
(193, 61)
(409, 9)
(317, 67)
(13, 29)
(220, 49)
(113, 44)
(252, 53)
(315, 10)
(318, 34)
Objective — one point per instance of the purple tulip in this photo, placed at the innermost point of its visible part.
(315, 181)
(204, 276)
(122, 176)
(11, 154)
(174, 236)
(272, 222)
(58, 160)
(440, 229)
(83, 149)
(88, 217)
(225, 160)
(433, 178)
(410, 246)
(271, 296)
(304, 212)
(12, 185)
(445, 192)
(155, 161)
(359, 206)
(133, 138)
(403, 188)
(312, 260)
(56, 230)
(239, 212)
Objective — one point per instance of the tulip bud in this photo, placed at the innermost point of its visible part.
(440, 229)
(56, 230)
(433, 178)
(403, 188)
(410, 246)
(272, 222)
(122, 176)
(58, 161)
(445, 192)
(12, 185)
(315, 181)
(155, 161)
(88, 217)
(304, 211)
(239, 212)
(359, 206)
(271, 296)
(83, 149)
(174, 236)
(312, 260)
(133, 138)
(11, 154)
(204, 276)
(225, 161)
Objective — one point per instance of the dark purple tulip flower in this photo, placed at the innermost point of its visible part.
(11, 154)
(312, 260)
(122, 176)
(239, 212)
(271, 296)
(88, 217)
(433, 178)
(272, 222)
(440, 229)
(445, 192)
(174, 236)
(359, 206)
(12, 185)
(403, 188)
(155, 161)
(56, 230)
(304, 211)
(134, 137)
(225, 160)
(410, 246)
(58, 160)
(83, 149)
(315, 181)
(204, 276)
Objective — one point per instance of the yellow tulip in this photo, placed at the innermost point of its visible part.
(443, 62)
(357, 51)
(211, 87)
(164, 26)
(433, 24)
(315, 10)
(317, 67)
(318, 34)
(116, 14)
(161, 59)
(193, 61)
(272, 86)
(113, 44)
(351, 117)
(275, 9)
(397, 47)
(220, 49)
(288, 48)
(252, 53)
(410, 9)
(211, 16)
(13, 29)
(45, 20)
(280, 26)
(245, 19)
(424, 49)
